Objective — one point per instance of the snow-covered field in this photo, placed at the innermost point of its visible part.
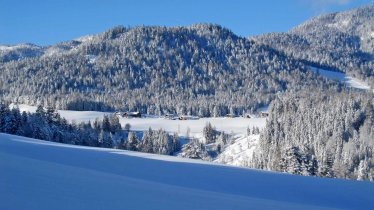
(229, 125)
(342, 77)
(76, 116)
(45, 175)
(238, 153)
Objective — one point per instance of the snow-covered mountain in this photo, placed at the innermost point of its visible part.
(342, 41)
(157, 70)
(354, 23)
(20, 51)
(186, 69)
(44, 175)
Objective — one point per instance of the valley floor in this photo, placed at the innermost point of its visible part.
(237, 125)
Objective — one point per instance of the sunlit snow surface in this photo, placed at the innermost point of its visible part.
(43, 175)
(240, 152)
(342, 77)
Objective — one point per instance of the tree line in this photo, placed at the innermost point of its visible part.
(47, 124)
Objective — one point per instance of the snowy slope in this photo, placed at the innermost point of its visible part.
(239, 153)
(342, 77)
(43, 175)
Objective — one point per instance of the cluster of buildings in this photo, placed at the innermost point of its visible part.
(262, 114)
(180, 117)
(129, 114)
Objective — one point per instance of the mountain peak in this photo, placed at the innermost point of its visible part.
(351, 21)
(342, 41)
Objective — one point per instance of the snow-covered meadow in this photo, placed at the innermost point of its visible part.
(236, 125)
(44, 175)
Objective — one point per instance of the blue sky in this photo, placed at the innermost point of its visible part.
(51, 21)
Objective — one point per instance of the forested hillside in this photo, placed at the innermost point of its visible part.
(340, 41)
(324, 134)
(203, 70)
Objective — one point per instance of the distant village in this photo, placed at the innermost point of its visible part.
(261, 114)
